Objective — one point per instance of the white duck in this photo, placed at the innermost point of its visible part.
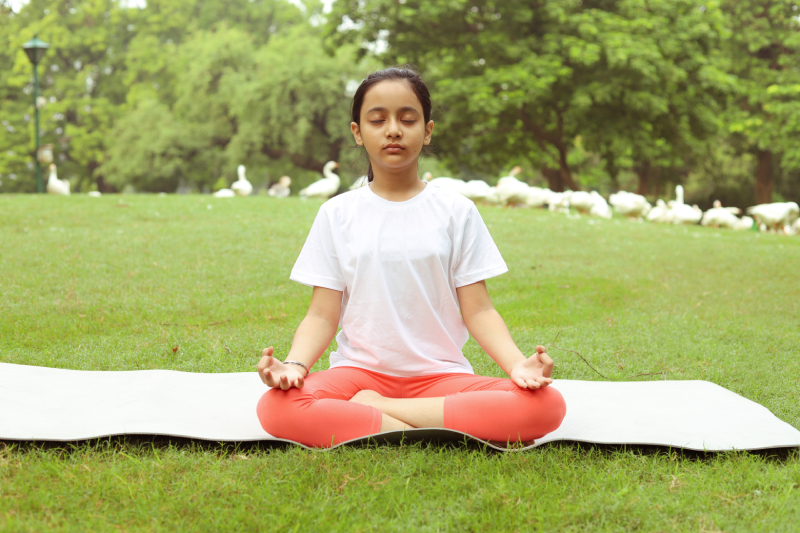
(224, 193)
(775, 216)
(242, 187)
(795, 230)
(559, 202)
(582, 201)
(720, 217)
(55, 185)
(600, 207)
(629, 204)
(326, 187)
(743, 224)
(538, 197)
(453, 184)
(478, 190)
(510, 190)
(94, 194)
(280, 189)
(660, 213)
(682, 213)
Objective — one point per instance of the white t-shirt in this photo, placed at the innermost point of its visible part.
(398, 265)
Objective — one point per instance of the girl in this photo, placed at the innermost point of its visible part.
(393, 263)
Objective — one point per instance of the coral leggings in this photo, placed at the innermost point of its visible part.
(320, 414)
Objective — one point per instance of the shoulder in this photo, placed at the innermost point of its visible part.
(458, 204)
(341, 203)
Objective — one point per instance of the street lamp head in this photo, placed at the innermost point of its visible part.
(35, 48)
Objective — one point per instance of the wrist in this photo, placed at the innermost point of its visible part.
(299, 366)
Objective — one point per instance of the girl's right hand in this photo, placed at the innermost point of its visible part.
(276, 374)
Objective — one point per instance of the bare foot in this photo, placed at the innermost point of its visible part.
(367, 397)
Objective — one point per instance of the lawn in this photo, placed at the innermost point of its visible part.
(200, 284)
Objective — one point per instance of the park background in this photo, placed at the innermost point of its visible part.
(608, 95)
(171, 95)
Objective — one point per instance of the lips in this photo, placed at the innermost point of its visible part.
(393, 148)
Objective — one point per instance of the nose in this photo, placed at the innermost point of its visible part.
(393, 130)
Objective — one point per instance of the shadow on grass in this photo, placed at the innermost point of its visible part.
(421, 442)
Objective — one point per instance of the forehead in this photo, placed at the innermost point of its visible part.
(391, 95)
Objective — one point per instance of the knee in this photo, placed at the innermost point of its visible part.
(274, 407)
(546, 406)
(554, 407)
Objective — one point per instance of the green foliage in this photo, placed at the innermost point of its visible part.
(583, 94)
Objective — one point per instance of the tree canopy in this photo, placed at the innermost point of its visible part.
(584, 94)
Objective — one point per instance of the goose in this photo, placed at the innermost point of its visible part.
(55, 185)
(629, 204)
(478, 190)
(734, 210)
(775, 216)
(795, 229)
(682, 213)
(719, 217)
(242, 187)
(510, 190)
(359, 182)
(224, 193)
(538, 197)
(743, 224)
(94, 194)
(600, 207)
(327, 186)
(453, 184)
(582, 201)
(559, 202)
(280, 189)
(660, 213)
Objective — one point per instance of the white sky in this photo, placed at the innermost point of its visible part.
(17, 4)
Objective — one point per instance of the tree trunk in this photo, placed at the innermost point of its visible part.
(554, 181)
(563, 169)
(764, 177)
(643, 171)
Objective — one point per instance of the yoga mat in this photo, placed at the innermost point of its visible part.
(52, 404)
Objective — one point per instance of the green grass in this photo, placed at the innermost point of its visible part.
(118, 283)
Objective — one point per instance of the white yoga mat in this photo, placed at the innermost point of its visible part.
(51, 404)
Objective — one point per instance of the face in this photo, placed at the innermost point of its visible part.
(393, 128)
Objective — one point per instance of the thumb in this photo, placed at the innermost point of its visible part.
(540, 349)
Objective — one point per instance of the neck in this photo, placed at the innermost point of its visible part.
(396, 186)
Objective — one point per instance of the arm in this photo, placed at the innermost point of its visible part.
(487, 327)
(313, 335)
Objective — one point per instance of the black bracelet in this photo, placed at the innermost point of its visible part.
(287, 362)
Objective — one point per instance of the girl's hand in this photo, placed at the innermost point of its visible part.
(534, 372)
(276, 374)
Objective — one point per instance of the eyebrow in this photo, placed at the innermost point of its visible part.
(402, 109)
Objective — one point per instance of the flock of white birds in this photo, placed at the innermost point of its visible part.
(779, 217)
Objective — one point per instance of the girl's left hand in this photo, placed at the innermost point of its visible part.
(534, 372)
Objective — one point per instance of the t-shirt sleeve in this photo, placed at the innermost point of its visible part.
(318, 263)
(478, 257)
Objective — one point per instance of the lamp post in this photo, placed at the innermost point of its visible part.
(35, 49)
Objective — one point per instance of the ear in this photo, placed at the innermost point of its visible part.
(428, 131)
(356, 133)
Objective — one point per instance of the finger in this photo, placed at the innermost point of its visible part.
(284, 382)
(533, 384)
(520, 383)
(268, 352)
(540, 349)
(268, 378)
(547, 361)
(300, 382)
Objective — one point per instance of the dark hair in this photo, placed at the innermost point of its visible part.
(406, 73)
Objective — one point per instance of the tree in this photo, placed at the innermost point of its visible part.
(523, 80)
(765, 119)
